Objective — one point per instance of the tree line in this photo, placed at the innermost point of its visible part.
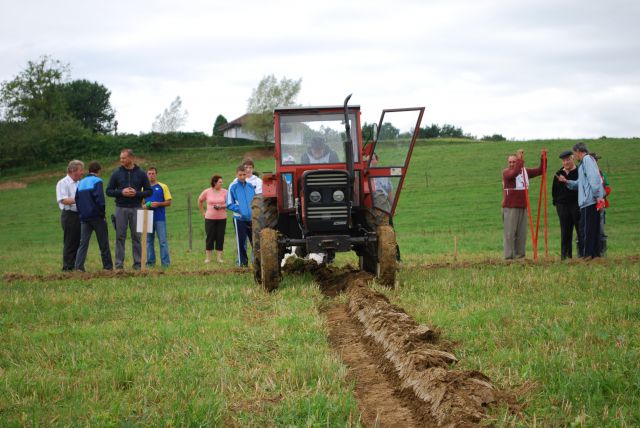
(46, 117)
(388, 131)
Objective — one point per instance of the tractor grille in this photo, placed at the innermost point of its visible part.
(326, 213)
(327, 180)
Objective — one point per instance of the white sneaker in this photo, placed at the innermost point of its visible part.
(207, 261)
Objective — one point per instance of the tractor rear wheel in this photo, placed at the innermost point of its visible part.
(269, 260)
(264, 213)
(387, 264)
(375, 217)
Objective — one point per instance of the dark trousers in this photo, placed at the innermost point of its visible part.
(215, 233)
(590, 231)
(102, 235)
(569, 215)
(243, 232)
(603, 234)
(70, 221)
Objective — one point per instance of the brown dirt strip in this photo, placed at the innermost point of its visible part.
(263, 153)
(332, 282)
(13, 276)
(402, 370)
(633, 258)
(10, 185)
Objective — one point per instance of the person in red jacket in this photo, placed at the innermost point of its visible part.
(515, 179)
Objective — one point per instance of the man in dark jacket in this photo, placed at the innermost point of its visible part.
(126, 185)
(566, 202)
(91, 207)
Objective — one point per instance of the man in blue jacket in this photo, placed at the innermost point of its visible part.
(91, 207)
(126, 185)
(239, 197)
(590, 200)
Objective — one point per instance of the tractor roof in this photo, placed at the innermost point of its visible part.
(312, 108)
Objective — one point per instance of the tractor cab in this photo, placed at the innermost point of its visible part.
(328, 194)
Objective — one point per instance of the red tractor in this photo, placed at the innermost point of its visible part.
(329, 193)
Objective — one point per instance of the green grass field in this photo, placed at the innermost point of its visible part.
(193, 348)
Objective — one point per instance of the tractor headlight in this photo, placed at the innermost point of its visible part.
(315, 196)
(338, 196)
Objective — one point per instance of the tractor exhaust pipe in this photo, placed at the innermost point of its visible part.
(348, 144)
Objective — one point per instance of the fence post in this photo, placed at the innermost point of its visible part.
(189, 221)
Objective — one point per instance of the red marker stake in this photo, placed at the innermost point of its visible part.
(526, 193)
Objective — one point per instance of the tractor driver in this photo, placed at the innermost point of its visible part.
(319, 152)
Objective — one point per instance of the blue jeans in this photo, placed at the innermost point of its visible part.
(160, 229)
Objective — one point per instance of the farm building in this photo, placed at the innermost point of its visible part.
(235, 129)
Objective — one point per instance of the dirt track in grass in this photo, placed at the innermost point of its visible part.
(118, 273)
(403, 372)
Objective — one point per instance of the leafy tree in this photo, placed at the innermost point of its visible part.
(39, 141)
(451, 131)
(35, 91)
(171, 119)
(264, 99)
(367, 132)
(494, 137)
(388, 132)
(220, 121)
(432, 131)
(89, 103)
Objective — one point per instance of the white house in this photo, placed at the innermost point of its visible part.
(234, 129)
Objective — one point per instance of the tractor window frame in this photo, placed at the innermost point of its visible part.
(292, 154)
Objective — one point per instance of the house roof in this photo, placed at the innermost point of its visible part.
(235, 123)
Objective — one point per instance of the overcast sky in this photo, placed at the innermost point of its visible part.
(525, 69)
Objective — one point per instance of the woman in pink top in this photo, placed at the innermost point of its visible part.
(213, 206)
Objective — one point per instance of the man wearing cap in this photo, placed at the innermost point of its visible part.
(590, 197)
(566, 202)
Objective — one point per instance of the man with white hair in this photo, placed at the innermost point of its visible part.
(515, 182)
(69, 218)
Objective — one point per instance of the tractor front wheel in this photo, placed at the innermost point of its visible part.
(269, 260)
(264, 214)
(387, 263)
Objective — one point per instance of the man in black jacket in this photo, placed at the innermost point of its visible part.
(126, 185)
(566, 202)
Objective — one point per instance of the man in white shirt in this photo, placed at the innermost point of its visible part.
(69, 219)
(252, 179)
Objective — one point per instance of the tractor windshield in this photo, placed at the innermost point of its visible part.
(315, 139)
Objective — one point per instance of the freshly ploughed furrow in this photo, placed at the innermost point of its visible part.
(399, 366)
(451, 397)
